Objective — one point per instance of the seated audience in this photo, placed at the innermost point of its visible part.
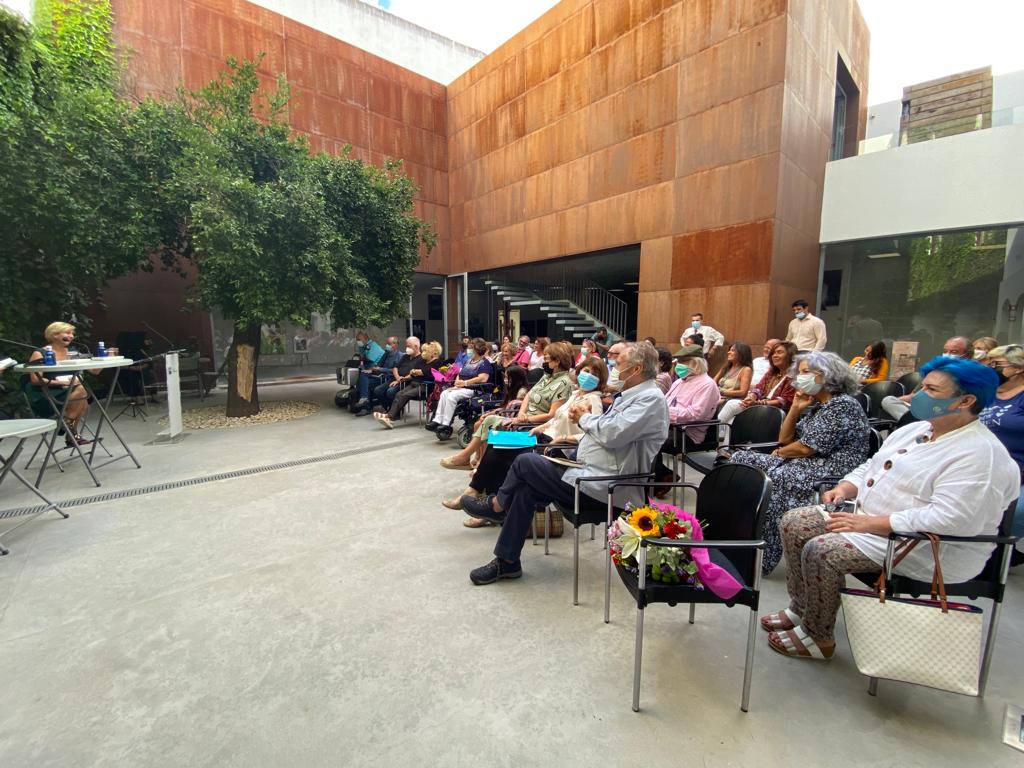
(384, 393)
(983, 346)
(600, 339)
(417, 380)
(375, 374)
(478, 370)
(621, 441)
(507, 358)
(1005, 417)
(693, 396)
(946, 474)
(62, 388)
(825, 434)
(665, 365)
(524, 352)
(614, 385)
(465, 352)
(735, 376)
(873, 365)
(763, 362)
(898, 407)
(495, 463)
(774, 388)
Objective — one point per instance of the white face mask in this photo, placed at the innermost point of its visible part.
(806, 383)
(980, 354)
(410, 351)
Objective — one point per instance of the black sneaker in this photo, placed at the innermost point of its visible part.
(431, 426)
(495, 570)
(480, 506)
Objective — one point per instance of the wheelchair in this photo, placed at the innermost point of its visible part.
(485, 397)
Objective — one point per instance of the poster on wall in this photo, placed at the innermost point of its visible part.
(904, 359)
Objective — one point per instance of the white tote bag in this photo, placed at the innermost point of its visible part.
(926, 642)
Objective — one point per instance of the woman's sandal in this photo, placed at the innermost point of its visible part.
(449, 464)
(476, 522)
(455, 503)
(778, 622)
(797, 644)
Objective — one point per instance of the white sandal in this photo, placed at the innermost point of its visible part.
(797, 644)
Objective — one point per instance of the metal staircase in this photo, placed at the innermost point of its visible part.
(561, 305)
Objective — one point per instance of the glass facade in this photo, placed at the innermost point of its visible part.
(922, 290)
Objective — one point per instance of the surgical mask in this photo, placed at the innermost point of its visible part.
(409, 351)
(682, 371)
(806, 383)
(587, 381)
(950, 354)
(613, 379)
(611, 363)
(923, 406)
(389, 348)
(980, 354)
(695, 324)
(800, 315)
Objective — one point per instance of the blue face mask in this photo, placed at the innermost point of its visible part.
(695, 324)
(923, 406)
(389, 348)
(587, 381)
(800, 315)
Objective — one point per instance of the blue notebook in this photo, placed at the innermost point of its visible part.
(511, 439)
(374, 352)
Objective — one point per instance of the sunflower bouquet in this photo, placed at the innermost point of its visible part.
(669, 565)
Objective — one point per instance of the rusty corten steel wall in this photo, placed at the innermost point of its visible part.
(696, 128)
(699, 129)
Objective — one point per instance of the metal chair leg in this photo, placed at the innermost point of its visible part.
(576, 566)
(748, 667)
(873, 686)
(638, 655)
(993, 624)
(547, 529)
(593, 528)
(693, 611)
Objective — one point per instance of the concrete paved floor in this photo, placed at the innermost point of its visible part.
(322, 615)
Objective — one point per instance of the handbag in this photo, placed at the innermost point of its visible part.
(557, 524)
(933, 642)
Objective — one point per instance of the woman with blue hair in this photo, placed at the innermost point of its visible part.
(945, 474)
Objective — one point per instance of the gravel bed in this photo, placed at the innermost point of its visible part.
(212, 417)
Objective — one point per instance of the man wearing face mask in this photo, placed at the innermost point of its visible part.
(957, 347)
(375, 374)
(712, 338)
(614, 385)
(401, 373)
(623, 440)
(693, 396)
(806, 330)
(465, 353)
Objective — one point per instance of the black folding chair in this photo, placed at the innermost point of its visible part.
(865, 402)
(909, 381)
(990, 583)
(731, 502)
(755, 428)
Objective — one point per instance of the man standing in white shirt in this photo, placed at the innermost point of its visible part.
(712, 338)
(806, 330)
(764, 362)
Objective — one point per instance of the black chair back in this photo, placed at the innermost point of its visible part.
(865, 402)
(756, 424)
(909, 381)
(877, 392)
(874, 442)
(732, 500)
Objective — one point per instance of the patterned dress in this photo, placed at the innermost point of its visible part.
(838, 432)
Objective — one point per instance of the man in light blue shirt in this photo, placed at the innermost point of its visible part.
(622, 441)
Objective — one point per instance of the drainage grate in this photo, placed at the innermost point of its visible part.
(174, 484)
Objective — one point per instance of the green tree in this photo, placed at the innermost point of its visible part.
(69, 213)
(273, 234)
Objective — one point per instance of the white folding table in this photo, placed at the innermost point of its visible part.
(21, 430)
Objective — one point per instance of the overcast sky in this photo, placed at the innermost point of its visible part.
(911, 40)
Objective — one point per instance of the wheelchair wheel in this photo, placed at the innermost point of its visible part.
(465, 435)
(341, 399)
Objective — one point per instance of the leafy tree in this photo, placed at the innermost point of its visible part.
(273, 233)
(69, 212)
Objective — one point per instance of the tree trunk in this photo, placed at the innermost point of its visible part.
(244, 354)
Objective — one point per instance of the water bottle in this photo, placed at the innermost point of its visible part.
(101, 350)
(48, 357)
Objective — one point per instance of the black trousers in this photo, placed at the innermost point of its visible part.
(494, 466)
(411, 391)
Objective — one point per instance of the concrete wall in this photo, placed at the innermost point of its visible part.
(383, 34)
(699, 129)
(967, 181)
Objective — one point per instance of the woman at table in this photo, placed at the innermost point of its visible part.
(60, 336)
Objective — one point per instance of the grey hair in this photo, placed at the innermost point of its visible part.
(837, 376)
(697, 364)
(413, 341)
(1013, 353)
(642, 354)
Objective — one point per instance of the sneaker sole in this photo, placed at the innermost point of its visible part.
(499, 577)
(488, 516)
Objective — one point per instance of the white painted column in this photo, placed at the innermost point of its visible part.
(174, 425)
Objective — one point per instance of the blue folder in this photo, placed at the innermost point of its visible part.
(511, 439)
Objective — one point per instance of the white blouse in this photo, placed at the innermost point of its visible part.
(959, 485)
(559, 426)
